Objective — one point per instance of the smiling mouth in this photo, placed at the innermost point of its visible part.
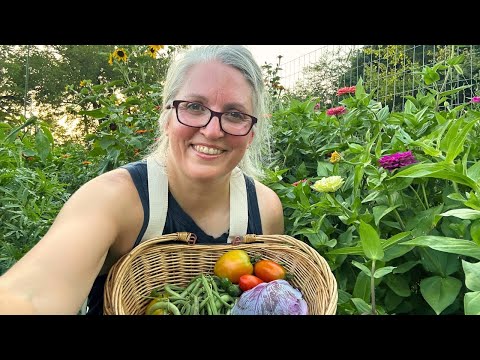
(207, 150)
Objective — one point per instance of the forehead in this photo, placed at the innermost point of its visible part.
(217, 82)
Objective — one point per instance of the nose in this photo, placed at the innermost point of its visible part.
(213, 128)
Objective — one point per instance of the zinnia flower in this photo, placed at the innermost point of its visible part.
(328, 184)
(346, 90)
(339, 110)
(316, 107)
(476, 99)
(299, 181)
(397, 160)
(335, 157)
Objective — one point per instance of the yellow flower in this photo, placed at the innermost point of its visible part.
(328, 184)
(110, 59)
(335, 157)
(120, 54)
(153, 50)
(83, 83)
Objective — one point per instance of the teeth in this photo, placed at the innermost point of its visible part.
(207, 150)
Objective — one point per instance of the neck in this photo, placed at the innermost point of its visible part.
(197, 197)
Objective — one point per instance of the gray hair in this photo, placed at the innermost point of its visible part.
(239, 57)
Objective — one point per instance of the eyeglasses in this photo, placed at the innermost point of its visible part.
(196, 115)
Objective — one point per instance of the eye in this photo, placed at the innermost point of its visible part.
(196, 107)
(236, 116)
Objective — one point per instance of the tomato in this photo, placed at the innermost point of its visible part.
(232, 265)
(248, 282)
(269, 270)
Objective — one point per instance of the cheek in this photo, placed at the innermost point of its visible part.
(175, 130)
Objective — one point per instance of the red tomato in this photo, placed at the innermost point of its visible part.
(232, 265)
(269, 270)
(248, 282)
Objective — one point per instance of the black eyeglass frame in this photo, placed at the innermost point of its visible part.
(175, 104)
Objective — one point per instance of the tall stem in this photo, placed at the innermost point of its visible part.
(372, 289)
(418, 197)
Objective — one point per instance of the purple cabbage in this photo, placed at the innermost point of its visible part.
(276, 297)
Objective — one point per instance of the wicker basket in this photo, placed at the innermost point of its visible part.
(162, 260)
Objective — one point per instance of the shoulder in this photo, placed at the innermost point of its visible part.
(271, 209)
(112, 191)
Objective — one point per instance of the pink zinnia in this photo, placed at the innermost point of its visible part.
(476, 99)
(316, 107)
(397, 160)
(339, 110)
(346, 90)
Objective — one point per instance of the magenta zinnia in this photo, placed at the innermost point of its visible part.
(346, 90)
(339, 110)
(476, 99)
(397, 160)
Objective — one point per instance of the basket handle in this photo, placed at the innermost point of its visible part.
(187, 237)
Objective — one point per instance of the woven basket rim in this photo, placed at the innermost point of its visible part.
(305, 260)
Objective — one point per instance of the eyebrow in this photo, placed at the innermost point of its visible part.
(233, 105)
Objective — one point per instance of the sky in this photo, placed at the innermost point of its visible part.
(269, 53)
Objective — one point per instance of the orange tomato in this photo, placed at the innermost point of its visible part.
(232, 265)
(269, 270)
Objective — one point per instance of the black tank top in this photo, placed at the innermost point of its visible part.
(177, 220)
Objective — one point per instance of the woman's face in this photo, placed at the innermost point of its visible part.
(208, 153)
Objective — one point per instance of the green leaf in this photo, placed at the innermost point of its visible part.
(439, 263)
(380, 211)
(324, 169)
(395, 239)
(466, 214)
(97, 113)
(362, 287)
(372, 196)
(438, 171)
(455, 144)
(398, 284)
(472, 275)
(361, 305)
(42, 144)
(447, 244)
(473, 172)
(354, 250)
(472, 303)
(475, 231)
(370, 241)
(406, 266)
(440, 292)
(383, 271)
(362, 267)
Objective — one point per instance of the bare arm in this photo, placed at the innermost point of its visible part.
(55, 276)
(271, 210)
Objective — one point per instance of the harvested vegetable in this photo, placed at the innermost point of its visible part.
(269, 270)
(232, 265)
(248, 282)
(276, 297)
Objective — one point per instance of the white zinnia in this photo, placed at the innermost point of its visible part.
(328, 184)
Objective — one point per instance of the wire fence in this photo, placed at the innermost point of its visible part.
(390, 71)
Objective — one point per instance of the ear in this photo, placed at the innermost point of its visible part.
(251, 136)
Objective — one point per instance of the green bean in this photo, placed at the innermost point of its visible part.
(206, 285)
(169, 290)
(195, 306)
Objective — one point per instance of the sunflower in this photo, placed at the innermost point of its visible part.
(153, 50)
(120, 54)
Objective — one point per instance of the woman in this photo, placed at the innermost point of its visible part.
(199, 179)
